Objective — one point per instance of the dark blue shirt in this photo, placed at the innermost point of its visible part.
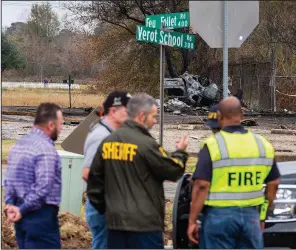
(204, 166)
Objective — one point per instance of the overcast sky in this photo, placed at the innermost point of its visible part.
(18, 11)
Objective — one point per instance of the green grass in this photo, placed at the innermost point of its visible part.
(6, 146)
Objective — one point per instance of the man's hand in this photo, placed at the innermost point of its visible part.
(182, 143)
(85, 173)
(192, 232)
(262, 224)
(13, 213)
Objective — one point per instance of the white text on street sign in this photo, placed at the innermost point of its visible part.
(173, 39)
(171, 20)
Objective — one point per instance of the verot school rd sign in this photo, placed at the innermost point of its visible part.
(171, 20)
(173, 39)
(154, 32)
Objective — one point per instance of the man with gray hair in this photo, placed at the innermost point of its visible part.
(114, 115)
(126, 178)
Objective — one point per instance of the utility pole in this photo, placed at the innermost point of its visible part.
(161, 69)
(273, 77)
(225, 50)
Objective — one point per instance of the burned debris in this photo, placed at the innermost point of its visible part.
(193, 90)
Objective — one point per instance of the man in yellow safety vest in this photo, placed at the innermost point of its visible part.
(232, 167)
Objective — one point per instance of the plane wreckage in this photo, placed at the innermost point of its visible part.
(193, 90)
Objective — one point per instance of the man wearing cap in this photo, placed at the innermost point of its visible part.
(114, 115)
(126, 178)
(212, 121)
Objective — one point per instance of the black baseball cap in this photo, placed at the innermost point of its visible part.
(116, 99)
(212, 121)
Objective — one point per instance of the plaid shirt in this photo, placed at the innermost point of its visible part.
(33, 172)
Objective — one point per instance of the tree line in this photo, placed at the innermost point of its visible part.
(39, 48)
(112, 56)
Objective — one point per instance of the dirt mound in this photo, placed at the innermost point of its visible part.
(74, 232)
(8, 236)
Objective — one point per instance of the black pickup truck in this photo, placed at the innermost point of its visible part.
(280, 226)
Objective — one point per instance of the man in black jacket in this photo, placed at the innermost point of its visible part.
(126, 178)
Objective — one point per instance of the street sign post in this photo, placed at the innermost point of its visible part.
(224, 24)
(69, 81)
(170, 38)
(225, 50)
(154, 32)
(170, 21)
(161, 90)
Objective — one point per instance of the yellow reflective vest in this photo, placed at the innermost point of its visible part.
(241, 162)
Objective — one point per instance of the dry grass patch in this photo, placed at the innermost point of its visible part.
(6, 146)
(74, 230)
(33, 97)
(8, 236)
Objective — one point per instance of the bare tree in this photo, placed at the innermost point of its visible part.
(42, 27)
(127, 14)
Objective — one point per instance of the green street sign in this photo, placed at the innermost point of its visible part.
(173, 39)
(171, 20)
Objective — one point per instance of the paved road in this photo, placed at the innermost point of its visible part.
(170, 190)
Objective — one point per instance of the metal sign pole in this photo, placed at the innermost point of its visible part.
(70, 90)
(273, 77)
(225, 51)
(162, 62)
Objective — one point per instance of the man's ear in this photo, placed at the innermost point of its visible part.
(141, 116)
(51, 125)
(112, 111)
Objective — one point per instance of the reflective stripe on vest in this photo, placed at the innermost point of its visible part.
(237, 181)
(242, 162)
(223, 147)
(235, 196)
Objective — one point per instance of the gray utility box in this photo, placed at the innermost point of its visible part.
(72, 182)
